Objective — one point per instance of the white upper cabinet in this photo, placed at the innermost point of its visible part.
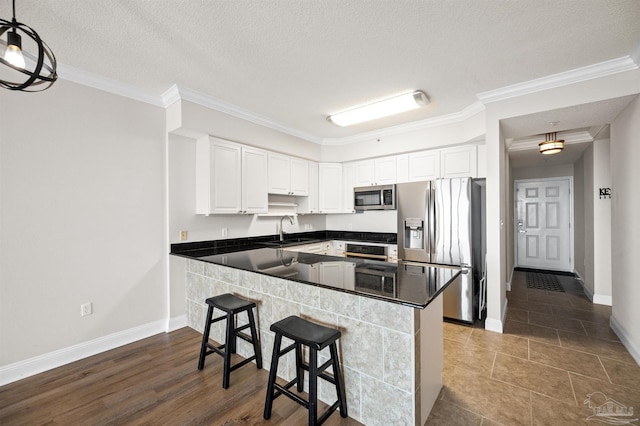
(380, 171)
(288, 175)
(330, 187)
(348, 183)
(310, 204)
(254, 180)
(458, 161)
(385, 170)
(424, 165)
(402, 168)
(299, 177)
(363, 173)
(230, 178)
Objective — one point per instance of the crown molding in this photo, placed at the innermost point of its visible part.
(531, 142)
(85, 78)
(602, 69)
(182, 93)
(441, 120)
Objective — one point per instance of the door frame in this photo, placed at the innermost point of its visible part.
(571, 218)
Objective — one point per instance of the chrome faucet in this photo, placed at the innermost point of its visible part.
(281, 231)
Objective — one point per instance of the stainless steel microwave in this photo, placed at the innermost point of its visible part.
(382, 197)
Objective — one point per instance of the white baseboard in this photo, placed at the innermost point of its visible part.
(492, 324)
(601, 299)
(176, 323)
(633, 348)
(29, 367)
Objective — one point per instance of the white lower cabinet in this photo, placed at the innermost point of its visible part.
(230, 178)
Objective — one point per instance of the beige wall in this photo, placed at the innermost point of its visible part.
(81, 218)
(625, 158)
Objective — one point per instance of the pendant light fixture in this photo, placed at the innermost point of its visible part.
(384, 108)
(551, 145)
(35, 74)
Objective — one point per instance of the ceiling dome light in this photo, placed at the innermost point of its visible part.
(384, 108)
(551, 145)
(41, 72)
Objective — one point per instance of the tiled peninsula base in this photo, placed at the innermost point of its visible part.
(391, 354)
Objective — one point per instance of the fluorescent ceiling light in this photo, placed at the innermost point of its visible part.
(380, 109)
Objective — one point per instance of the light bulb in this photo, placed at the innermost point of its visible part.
(13, 52)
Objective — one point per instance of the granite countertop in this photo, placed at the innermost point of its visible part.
(409, 284)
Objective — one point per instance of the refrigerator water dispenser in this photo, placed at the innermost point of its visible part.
(413, 233)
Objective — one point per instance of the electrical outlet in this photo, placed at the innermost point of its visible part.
(225, 232)
(183, 235)
(86, 309)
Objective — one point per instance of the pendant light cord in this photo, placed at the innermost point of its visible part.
(14, 12)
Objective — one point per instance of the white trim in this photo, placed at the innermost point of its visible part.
(628, 343)
(585, 289)
(111, 86)
(497, 325)
(602, 299)
(21, 369)
(176, 323)
(216, 104)
(510, 280)
(589, 72)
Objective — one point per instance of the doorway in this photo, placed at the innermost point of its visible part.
(544, 224)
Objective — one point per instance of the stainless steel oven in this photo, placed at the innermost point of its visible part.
(366, 251)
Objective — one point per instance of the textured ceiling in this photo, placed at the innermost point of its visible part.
(297, 61)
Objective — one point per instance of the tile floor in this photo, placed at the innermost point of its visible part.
(556, 350)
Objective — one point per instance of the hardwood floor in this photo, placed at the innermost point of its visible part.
(153, 381)
(557, 349)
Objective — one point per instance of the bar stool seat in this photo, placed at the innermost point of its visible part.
(315, 337)
(231, 305)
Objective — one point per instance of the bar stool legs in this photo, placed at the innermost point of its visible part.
(315, 337)
(231, 305)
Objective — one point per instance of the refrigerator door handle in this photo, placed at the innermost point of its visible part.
(431, 214)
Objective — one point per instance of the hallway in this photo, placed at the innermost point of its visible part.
(557, 348)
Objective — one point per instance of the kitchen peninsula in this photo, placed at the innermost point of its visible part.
(390, 316)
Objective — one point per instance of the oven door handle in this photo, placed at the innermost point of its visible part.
(366, 256)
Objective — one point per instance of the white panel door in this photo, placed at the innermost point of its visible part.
(385, 170)
(299, 177)
(543, 224)
(279, 174)
(330, 187)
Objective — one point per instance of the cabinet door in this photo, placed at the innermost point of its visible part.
(330, 187)
(348, 183)
(402, 168)
(363, 173)
(226, 177)
(385, 170)
(313, 188)
(299, 177)
(332, 273)
(424, 165)
(254, 180)
(279, 174)
(458, 162)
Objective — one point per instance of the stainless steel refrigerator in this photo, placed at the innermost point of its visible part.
(442, 222)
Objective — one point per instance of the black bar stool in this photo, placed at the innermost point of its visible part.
(315, 337)
(232, 305)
